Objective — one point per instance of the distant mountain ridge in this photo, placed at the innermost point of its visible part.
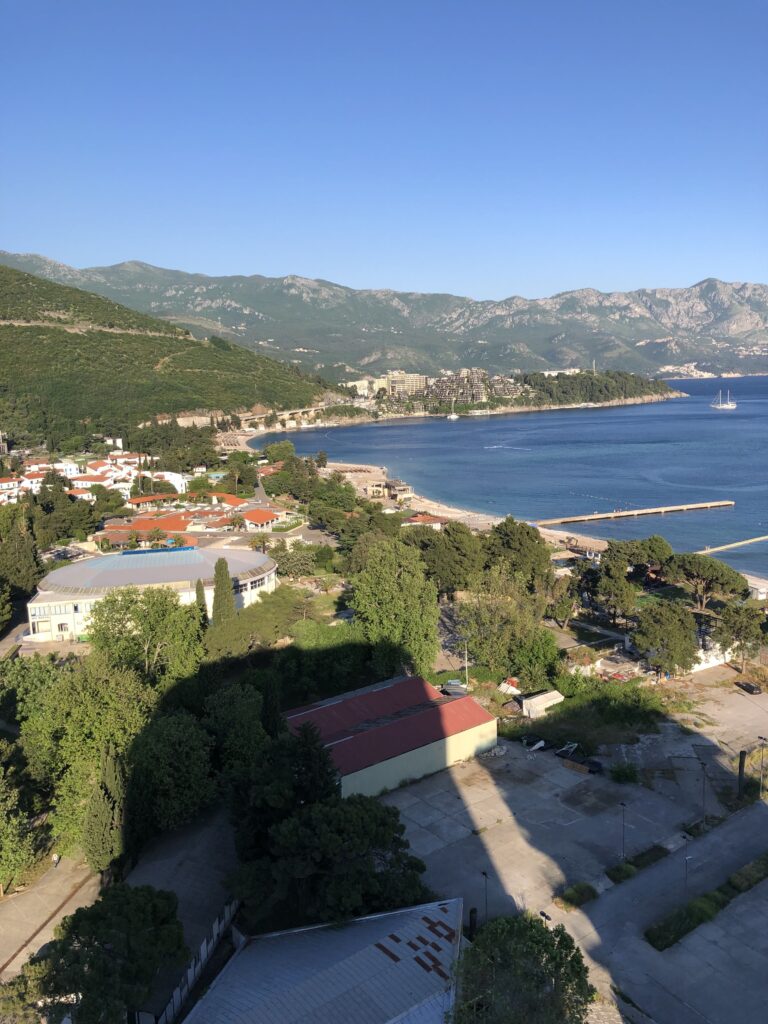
(713, 326)
(72, 362)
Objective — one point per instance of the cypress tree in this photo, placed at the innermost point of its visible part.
(104, 816)
(223, 596)
(271, 715)
(19, 564)
(202, 608)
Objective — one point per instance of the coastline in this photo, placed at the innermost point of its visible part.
(360, 474)
(241, 440)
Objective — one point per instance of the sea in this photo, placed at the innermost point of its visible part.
(557, 463)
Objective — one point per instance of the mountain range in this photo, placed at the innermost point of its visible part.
(336, 331)
(72, 362)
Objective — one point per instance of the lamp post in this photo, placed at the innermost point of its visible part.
(485, 876)
(686, 877)
(623, 844)
(545, 917)
(763, 741)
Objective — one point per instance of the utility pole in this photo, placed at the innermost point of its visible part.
(466, 664)
(762, 754)
(485, 876)
(623, 844)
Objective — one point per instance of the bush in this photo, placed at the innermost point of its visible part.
(621, 872)
(577, 895)
(624, 773)
(750, 874)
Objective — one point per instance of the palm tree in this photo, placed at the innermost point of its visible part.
(237, 523)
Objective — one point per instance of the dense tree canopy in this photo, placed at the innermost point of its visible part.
(740, 629)
(666, 636)
(396, 607)
(517, 969)
(705, 578)
(523, 549)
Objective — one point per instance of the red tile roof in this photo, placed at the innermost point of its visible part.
(425, 518)
(227, 499)
(366, 728)
(260, 515)
(144, 499)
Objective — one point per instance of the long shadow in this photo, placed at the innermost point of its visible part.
(511, 832)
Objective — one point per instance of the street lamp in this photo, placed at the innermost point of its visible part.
(485, 876)
(623, 845)
(763, 741)
(545, 917)
(686, 877)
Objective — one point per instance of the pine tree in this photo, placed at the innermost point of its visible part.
(202, 608)
(103, 824)
(19, 564)
(223, 595)
(6, 608)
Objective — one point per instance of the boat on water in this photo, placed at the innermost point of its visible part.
(452, 415)
(723, 405)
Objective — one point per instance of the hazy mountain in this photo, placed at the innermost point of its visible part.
(337, 330)
(72, 361)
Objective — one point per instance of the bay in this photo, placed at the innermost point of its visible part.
(575, 461)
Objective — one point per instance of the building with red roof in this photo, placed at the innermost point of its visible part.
(425, 519)
(398, 730)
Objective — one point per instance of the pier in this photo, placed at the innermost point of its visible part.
(735, 544)
(632, 512)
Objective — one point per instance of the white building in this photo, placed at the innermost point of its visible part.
(61, 607)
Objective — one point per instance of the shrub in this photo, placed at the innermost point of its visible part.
(577, 895)
(621, 872)
(624, 773)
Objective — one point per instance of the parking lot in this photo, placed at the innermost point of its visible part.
(532, 825)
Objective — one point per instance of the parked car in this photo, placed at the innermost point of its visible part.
(748, 687)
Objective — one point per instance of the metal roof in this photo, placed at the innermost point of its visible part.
(379, 969)
(147, 568)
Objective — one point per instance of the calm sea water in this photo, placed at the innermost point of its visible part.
(542, 465)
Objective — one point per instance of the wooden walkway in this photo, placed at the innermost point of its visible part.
(735, 544)
(632, 512)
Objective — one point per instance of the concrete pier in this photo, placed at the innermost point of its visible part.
(632, 512)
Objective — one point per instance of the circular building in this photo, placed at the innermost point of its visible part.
(64, 599)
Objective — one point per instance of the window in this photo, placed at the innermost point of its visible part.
(255, 584)
(240, 588)
(63, 627)
(75, 608)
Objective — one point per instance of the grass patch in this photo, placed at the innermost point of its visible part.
(644, 859)
(576, 895)
(706, 907)
(624, 773)
(703, 825)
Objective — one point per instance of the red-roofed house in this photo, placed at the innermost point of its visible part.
(222, 498)
(150, 500)
(425, 519)
(259, 519)
(401, 729)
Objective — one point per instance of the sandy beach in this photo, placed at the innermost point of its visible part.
(361, 475)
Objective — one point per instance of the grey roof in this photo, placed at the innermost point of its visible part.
(144, 568)
(379, 969)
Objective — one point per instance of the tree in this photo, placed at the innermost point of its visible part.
(272, 717)
(452, 557)
(107, 955)
(616, 594)
(321, 459)
(535, 658)
(495, 612)
(298, 560)
(740, 630)
(201, 604)
(517, 969)
(666, 636)
(17, 845)
(705, 578)
(148, 631)
(6, 608)
(295, 772)
(523, 549)
(104, 824)
(278, 451)
(396, 607)
(565, 600)
(223, 595)
(19, 564)
(334, 860)
(234, 717)
(172, 772)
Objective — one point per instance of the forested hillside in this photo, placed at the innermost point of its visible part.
(72, 362)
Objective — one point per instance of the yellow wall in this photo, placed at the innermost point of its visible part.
(415, 764)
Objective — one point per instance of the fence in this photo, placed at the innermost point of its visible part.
(193, 970)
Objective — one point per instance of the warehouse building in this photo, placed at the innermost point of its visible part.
(397, 731)
(65, 597)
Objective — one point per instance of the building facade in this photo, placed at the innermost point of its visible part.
(65, 598)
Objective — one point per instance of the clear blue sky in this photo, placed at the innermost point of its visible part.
(485, 148)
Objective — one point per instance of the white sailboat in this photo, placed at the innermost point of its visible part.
(723, 405)
(452, 415)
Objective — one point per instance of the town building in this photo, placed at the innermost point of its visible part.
(435, 523)
(401, 384)
(381, 969)
(61, 607)
(398, 730)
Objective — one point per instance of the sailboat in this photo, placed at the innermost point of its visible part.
(723, 405)
(452, 415)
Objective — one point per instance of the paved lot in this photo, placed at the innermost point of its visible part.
(29, 919)
(531, 824)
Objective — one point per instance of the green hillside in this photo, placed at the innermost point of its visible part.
(73, 362)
